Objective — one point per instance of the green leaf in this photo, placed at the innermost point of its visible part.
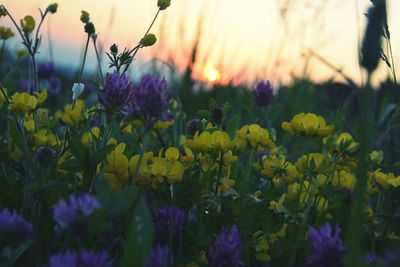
(202, 113)
(40, 186)
(78, 150)
(103, 190)
(122, 200)
(212, 103)
(100, 154)
(72, 165)
(233, 125)
(140, 238)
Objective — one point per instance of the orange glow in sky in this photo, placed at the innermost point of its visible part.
(236, 40)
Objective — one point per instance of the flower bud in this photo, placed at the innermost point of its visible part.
(148, 40)
(89, 28)
(3, 12)
(85, 16)
(163, 4)
(194, 126)
(28, 24)
(217, 115)
(5, 33)
(114, 49)
(45, 155)
(52, 8)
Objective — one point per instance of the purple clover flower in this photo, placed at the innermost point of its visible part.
(391, 257)
(369, 257)
(327, 248)
(117, 92)
(72, 212)
(14, 226)
(82, 258)
(263, 94)
(158, 257)
(152, 97)
(45, 70)
(54, 85)
(226, 251)
(170, 220)
(26, 85)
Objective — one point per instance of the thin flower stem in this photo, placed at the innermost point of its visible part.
(98, 59)
(221, 164)
(84, 59)
(143, 150)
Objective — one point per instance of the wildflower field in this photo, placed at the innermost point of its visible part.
(104, 170)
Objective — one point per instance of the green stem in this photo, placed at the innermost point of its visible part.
(221, 164)
(136, 48)
(143, 150)
(84, 59)
(98, 58)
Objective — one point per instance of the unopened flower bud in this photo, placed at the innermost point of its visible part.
(114, 49)
(148, 40)
(52, 8)
(89, 28)
(45, 155)
(3, 12)
(163, 4)
(5, 33)
(85, 16)
(194, 126)
(28, 24)
(217, 115)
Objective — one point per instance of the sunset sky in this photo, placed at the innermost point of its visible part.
(240, 40)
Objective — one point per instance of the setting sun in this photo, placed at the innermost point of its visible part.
(211, 74)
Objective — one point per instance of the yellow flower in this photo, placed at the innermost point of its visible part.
(293, 191)
(29, 123)
(87, 138)
(380, 178)
(376, 156)
(172, 154)
(175, 173)
(220, 141)
(143, 173)
(44, 139)
(226, 185)
(308, 124)
(3, 97)
(274, 167)
(41, 97)
(22, 103)
(163, 124)
(307, 164)
(72, 116)
(344, 179)
(229, 158)
(394, 181)
(277, 206)
(188, 157)
(117, 168)
(253, 135)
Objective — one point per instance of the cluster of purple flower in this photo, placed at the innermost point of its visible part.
(82, 258)
(169, 221)
(149, 100)
(327, 248)
(226, 251)
(14, 226)
(263, 94)
(71, 213)
(51, 81)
